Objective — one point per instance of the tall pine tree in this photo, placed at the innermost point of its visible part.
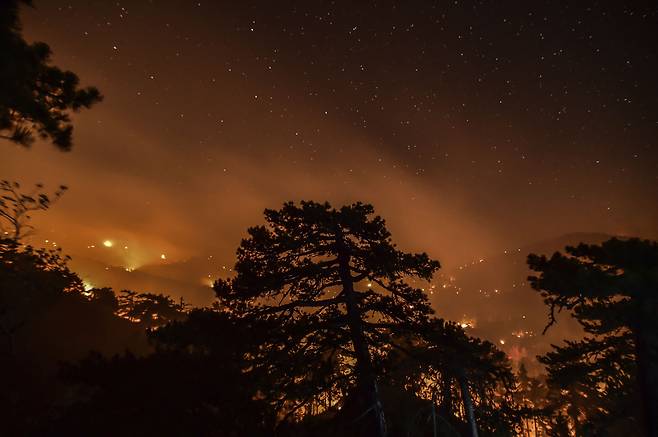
(612, 290)
(470, 380)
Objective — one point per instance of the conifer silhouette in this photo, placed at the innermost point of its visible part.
(612, 290)
(335, 283)
(36, 98)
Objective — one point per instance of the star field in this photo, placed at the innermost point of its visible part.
(471, 126)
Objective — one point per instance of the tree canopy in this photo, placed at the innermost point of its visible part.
(323, 327)
(46, 317)
(36, 97)
(470, 380)
(336, 286)
(194, 383)
(612, 290)
(17, 206)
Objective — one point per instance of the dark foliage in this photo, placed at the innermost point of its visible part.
(337, 288)
(36, 98)
(46, 317)
(444, 365)
(193, 384)
(320, 329)
(612, 290)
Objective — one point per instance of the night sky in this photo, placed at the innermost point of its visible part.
(472, 127)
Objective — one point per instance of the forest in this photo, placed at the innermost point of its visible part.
(323, 328)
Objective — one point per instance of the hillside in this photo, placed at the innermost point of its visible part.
(493, 300)
(489, 296)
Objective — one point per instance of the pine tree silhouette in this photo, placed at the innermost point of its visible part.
(36, 98)
(334, 283)
(612, 290)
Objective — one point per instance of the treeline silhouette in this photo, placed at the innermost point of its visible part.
(324, 330)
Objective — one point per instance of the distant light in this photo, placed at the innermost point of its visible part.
(502, 341)
(163, 256)
(467, 323)
(108, 243)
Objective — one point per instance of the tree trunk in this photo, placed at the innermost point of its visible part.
(646, 351)
(468, 406)
(446, 402)
(10, 338)
(367, 384)
(434, 424)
